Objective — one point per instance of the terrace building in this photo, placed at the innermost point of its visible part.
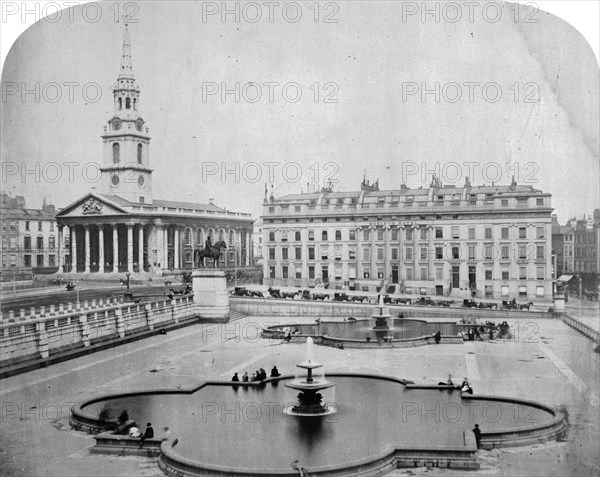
(483, 241)
(30, 242)
(563, 247)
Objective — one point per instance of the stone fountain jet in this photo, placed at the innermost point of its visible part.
(381, 323)
(309, 398)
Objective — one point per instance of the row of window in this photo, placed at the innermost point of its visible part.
(13, 226)
(585, 267)
(585, 252)
(295, 271)
(39, 242)
(441, 252)
(589, 237)
(423, 234)
(408, 201)
(39, 260)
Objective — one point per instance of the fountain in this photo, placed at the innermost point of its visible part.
(381, 318)
(309, 398)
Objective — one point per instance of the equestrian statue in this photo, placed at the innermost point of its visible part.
(209, 251)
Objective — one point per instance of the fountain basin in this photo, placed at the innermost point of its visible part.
(400, 332)
(223, 428)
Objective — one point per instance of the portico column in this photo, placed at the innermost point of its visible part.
(129, 247)
(141, 248)
(176, 248)
(115, 247)
(74, 248)
(60, 254)
(165, 259)
(249, 248)
(251, 251)
(158, 236)
(86, 250)
(101, 248)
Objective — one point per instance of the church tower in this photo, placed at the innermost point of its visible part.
(126, 144)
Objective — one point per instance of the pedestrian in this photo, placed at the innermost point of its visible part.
(477, 433)
(148, 434)
(254, 377)
(287, 334)
(275, 372)
(124, 417)
(245, 377)
(235, 377)
(263, 374)
(166, 434)
(134, 432)
(437, 337)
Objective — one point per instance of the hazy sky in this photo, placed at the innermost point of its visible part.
(361, 80)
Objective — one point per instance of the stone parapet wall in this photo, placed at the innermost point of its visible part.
(331, 309)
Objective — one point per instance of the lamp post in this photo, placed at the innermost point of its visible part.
(128, 293)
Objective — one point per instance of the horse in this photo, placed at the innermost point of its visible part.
(213, 252)
(526, 306)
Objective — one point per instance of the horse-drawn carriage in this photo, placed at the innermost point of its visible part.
(513, 305)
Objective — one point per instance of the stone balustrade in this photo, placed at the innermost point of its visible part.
(51, 329)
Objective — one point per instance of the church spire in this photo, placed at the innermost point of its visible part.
(126, 63)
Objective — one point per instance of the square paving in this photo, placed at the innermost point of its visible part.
(546, 361)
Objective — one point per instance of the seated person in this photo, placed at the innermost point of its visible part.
(465, 387)
(275, 372)
(134, 432)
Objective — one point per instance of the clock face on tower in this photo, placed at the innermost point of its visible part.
(141, 181)
(116, 124)
(139, 124)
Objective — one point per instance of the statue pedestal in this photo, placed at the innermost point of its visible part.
(559, 303)
(210, 294)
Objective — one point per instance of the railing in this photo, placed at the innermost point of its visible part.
(579, 326)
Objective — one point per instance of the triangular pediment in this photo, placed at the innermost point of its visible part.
(92, 205)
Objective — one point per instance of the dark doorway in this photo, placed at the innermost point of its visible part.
(325, 274)
(472, 277)
(455, 276)
(439, 290)
(394, 274)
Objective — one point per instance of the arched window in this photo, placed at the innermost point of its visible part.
(127, 103)
(120, 103)
(187, 237)
(116, 152)
(231, 237)
(135, 104)
(221, 235)
(139, 153)
(200, 237)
